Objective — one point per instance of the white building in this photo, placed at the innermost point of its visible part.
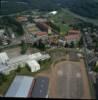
(2, 32)
(21, 87)
(53, 12)
(7, 65)
(33, 65)
(3, 58)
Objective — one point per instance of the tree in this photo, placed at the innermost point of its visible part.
(23, 47)
(40, 45)
(3, 78)
(18, 69)
(66, 45)
(72, 44)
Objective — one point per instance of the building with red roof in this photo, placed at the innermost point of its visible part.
(73, 36)
(74, 32)
(22, 19)
(43, 26)
(41, 33)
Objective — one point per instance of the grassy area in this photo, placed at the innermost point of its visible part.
(64, 28)
(56, 53)
(62, 20)
(62, 16)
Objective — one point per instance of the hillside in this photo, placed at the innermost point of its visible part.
(86, 8)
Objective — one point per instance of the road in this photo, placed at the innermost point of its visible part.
(88, 68)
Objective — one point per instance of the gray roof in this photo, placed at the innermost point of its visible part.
(20, 87)
(40, 89)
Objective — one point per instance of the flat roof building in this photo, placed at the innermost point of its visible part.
(21, 87)
(7, 64)
(33, 65)
(40, 89)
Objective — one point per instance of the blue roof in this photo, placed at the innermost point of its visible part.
(20, 87)
(40, 89)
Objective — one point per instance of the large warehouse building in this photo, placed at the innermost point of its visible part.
(40, 89)
(21, 87)
(27, 86)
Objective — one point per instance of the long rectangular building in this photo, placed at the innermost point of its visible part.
(21, 87)
(40, 89)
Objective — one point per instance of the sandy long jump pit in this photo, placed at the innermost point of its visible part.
(69, 80)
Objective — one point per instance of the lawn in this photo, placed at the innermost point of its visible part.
(57, 53)
(64, 29)
(62, 16)
(62, 20)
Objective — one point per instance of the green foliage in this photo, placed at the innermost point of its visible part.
(13, 24)
(24, 47)
(18, 69)
(3, 78)
(87, 8)
(96, 69)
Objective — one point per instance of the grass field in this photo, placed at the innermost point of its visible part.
(63, 19)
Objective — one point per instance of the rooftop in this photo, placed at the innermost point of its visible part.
(41, 87)
(72, 36)
(20, 86)
(74, 32)
(3, 57)
(41, 33)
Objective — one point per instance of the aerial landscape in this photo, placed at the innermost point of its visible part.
(49, 49)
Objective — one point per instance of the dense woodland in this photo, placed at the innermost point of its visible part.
(86, 8)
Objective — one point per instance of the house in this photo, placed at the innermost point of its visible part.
(43, 27)
(73, 36)
(40, 19)
(41, 33)
(33, 65)
(21, 18)
(21, 87)
(74, 32)
(40, 89)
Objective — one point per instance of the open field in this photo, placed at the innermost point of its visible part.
(69, 81)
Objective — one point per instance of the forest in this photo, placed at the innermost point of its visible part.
(86, 8)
